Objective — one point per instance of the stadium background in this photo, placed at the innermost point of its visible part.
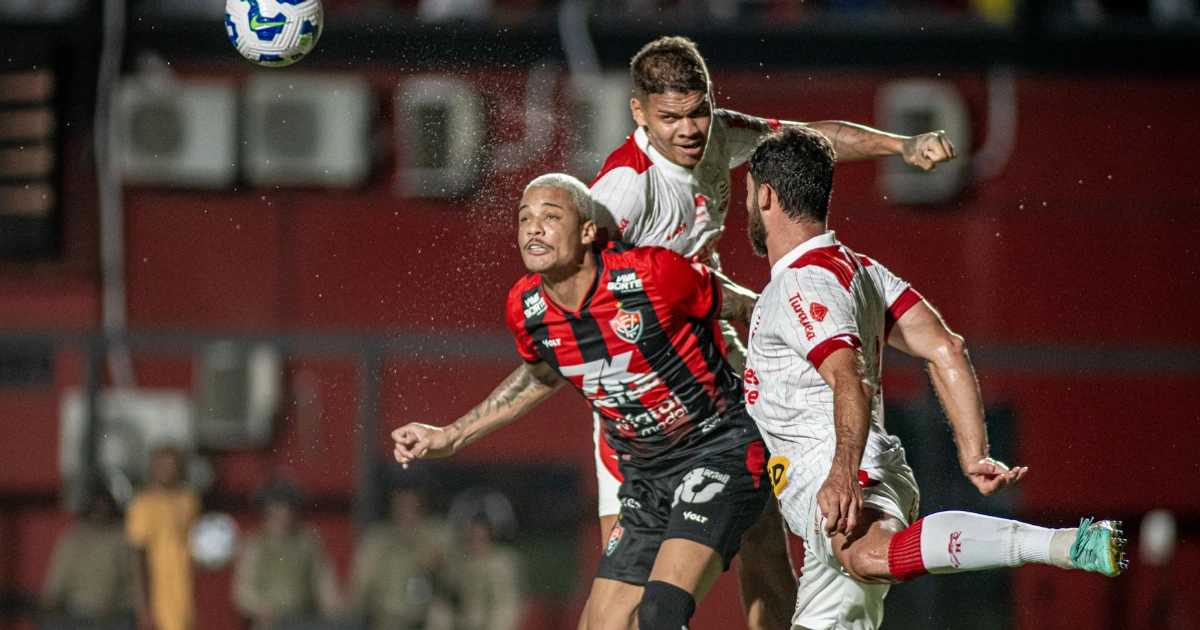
(1062, 246)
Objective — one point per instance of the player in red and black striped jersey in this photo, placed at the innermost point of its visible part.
(643, 350)
(633, 330)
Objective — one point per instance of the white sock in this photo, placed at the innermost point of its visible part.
(962, 541)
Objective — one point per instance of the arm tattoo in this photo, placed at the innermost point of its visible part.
(523, 389)
(736, 305)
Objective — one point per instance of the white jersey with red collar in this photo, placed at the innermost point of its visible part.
(642, 198)
(822, 297)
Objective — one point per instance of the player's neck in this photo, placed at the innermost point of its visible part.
(569, 287)
(782, 239)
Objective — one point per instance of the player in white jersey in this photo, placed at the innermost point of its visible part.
(812, 385)
(669, 185)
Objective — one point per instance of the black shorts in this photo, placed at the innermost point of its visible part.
(712, 503)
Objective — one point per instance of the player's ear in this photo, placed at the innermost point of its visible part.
(587, 232)
(639, 114)
(766, 198)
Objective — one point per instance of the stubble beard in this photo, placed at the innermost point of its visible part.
(757, 230)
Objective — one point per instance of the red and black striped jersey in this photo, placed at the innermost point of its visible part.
(645, 352)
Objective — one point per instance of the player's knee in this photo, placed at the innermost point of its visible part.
(868, 565)
(664, 606)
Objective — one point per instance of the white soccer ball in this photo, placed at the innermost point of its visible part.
(274, 32)
(213, 540)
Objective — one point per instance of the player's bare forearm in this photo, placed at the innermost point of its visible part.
(527, 386)
(737, 302)
(843, 371)
(852, 141)
(922, 333)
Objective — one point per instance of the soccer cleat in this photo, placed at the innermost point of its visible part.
(1100, 548)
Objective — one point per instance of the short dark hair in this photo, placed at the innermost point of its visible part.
(797, 162)
(668, 64)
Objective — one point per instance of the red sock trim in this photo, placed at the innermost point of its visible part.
(904, 554)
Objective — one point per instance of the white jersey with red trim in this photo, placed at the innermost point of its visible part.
(821, 297)
(642, 198)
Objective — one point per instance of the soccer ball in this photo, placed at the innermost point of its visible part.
(274, 32)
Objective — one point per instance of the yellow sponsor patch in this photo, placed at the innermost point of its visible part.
(777, 467)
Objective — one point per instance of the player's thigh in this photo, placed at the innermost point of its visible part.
(612, 605)
(607, 521)
(689, 565)
(766, 540)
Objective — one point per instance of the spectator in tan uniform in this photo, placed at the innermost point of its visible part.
(89, 577)
(283, 572)
(396, 564)
(481, 585)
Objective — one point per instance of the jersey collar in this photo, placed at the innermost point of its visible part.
(659, 160)
(827, 239)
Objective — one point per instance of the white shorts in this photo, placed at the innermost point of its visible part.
(827, 596)
(608, 482)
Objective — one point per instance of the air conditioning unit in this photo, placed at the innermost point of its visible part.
(303, 130)
(912, 107)
(133, 422)
(441, 130)
(238, 391)
(171, 132)
(600, 119)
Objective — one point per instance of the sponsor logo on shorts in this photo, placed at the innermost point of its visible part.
(778, 466)
(614, 538)
(630, 503)
(818, 311)
(955, 548)
(625, 282)
(692, 516)
(627, 325)
(534, 305)
(797, 303)
(700, 486)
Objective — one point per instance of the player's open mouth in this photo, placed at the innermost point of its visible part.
(692, 150)
(537, 248)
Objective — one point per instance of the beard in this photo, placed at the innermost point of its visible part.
(757, 230)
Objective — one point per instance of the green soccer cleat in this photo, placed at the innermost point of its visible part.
(1099, 548)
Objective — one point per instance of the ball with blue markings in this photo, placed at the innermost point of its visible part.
(274, 32)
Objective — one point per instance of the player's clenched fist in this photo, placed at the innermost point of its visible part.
(840, 501)
(928, 149)
(422, 441)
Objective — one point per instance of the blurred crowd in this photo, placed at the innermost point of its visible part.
(411, 570)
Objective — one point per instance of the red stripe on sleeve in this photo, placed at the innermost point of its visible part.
(628, 155)
(818, 354)
(774, 123)
(908, 299)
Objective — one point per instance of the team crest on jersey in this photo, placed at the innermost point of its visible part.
(625, 282)
(534, 305)
(818, 311)
(614, 538)
(627, 325)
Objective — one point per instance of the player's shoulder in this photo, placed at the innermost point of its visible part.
(835, 260)
(524, 298)
(619, 254)
(629, 155)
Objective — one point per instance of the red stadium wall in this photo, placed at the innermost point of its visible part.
(1084, 241)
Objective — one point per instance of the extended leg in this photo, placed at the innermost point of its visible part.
(606, 524)
(612, 605)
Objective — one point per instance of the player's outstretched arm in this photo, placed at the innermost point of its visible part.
(737, 302)
(852, 141)
(527, 386)
(840, 497)
(922, 333)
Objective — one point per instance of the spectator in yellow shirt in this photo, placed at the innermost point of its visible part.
(159, 521)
